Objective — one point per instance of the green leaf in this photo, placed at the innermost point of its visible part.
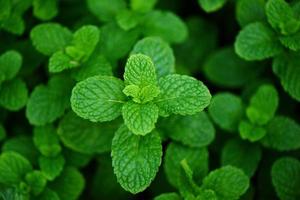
(285, 175)
(59, 61)
(257, 42)
(84, 136)
(281, 16)
(140, 71)
(46, 140)
(49, 195)
(283, 134)
(207, 195)
(5, 9)
(168, 196)
(136, 159)
(291, 41)
(47, 103)
(226, 110)
(51, 166)
(69, 185)
(225, 69)
(228, 182)
(76, 159)
(140, 118)
(13, 94)
(166, 25)
(36, 181)
(243, 155)
(10, 64)
(159, 51)
(197, 159)
(263, 105)
(13, 168)
(45, 9)
(84, 42)
(249, 11)
(49, 38)
(181, 94)
(211, 5)
(127, 19)
(98, 98)
(286, 68)
(193, 130)
(14, 24)
(251, 132)
(95, 65)
(142, 6)
(106, 10)
(141, 95)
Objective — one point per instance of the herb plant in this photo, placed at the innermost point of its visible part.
(156, 99)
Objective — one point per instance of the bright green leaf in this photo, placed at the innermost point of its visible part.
(51, 166)
(142, 6)
(211, 5)
(251, 132)
(168, 196)
(10, 64)
(45, 9)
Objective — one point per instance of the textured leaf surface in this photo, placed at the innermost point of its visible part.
(135, 159)
(160, 53)
(13, 167)
(257, 42)
(193, 130)
(211, 5)
(140, 118)
(263, 105)
(285, 175)
(84, 136)
(10, 64)
(181, 94)
(37, 181)
(225, 69)
(140, 71)
(288, 70)
(291, 41)
(248, 11)
(165, 25)
(243, 155)
(47, 103)
(226, 110)
(283, 134)
(51, 167)
(69, 185)
(98, 98)
(228, 182)
(13, 94)
(59, 61)
(251, 132)
(50, 37)
(197, 159)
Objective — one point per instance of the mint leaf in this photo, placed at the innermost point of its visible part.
(181, 94)
(263, 105)
(160, 53)
(84, 136)
(140, 71)
(49, 195)
(47, 103)
(165, 25)
(127, 19)
(251, 132)
(228, 182)
(257, 42)
(13, 94)
(168, 196)
(69, 185)
(98, 98)
(135, 159)
(286, 68)
(243, 155)
(211, 5)
(51, 166)
(281, 16)
(49, 38)
(13, 168)
(197, 159)
(285, 175)
(45, 9)
(59, 61)
(46, 140)
(227, 70)
(291, 41)
(141, 95)
(5, 9)
(192, 130)
(226, 110)
(283, 134)
(207, 194)
(37, 181)
(106, 10)
(249, 11)
(142, 6)
(140, 118)
(10, 64)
